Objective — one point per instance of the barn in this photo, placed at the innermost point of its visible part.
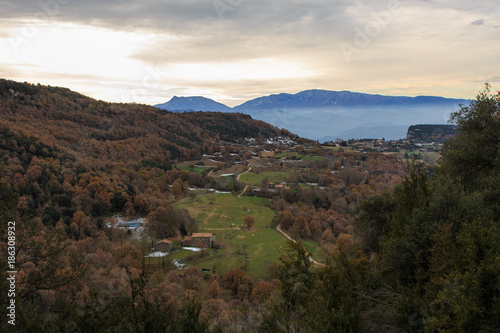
(164, 245)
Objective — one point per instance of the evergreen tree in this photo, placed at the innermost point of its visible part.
(440, 251)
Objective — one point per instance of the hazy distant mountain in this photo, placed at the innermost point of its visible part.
(324, 114)
(326, 98)
(194, 103)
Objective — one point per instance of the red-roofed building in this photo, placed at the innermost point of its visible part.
(199, 239)
(164, 245)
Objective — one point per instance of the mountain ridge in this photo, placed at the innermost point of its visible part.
(104, 132)
(193, 103)
(317, 98)
(313, 98)
(318, 114)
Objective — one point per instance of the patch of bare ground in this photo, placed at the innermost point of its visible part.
(234, 169)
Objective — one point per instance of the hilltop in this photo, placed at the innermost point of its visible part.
(431, 133)
(194, 103)
(104, 132)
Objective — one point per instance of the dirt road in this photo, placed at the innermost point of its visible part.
(293, 240)
(246, 171)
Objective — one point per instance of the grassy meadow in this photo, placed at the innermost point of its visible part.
(222, 213)
(276, 177)
(196, 169)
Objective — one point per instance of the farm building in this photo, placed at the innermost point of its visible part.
(164, 245)
(283, 185)
(205, 240)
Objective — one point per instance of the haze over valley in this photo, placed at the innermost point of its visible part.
(327, 115)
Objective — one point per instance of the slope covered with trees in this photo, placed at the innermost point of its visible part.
(438, 259)
(63, 152)
(112, 132)
(231, 125)
(67, 162)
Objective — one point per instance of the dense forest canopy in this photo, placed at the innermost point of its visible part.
(64, 152)
(112, 132)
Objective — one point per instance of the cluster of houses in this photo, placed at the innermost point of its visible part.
(386, 146)
(272, 188)
(205, 240)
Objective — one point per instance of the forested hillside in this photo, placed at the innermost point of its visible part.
(64, 151)
(427, 257)
(230, 125)
(112, 132)
(438, 249)
(67, 163)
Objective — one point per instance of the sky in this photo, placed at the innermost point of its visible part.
(235, 50)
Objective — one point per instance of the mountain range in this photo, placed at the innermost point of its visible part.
(327, 99)
(325, 115)
(305, 99)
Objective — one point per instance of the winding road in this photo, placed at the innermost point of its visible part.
(317, 263)
(246, 171)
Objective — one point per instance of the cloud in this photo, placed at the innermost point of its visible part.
(172, 15)
(196, 30)
(478, 22)
(271, 46)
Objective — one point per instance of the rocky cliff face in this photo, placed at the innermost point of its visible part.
(431, 133)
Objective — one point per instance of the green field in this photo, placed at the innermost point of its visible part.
(221, 214)
(197, 169)
(314, 248)
(289, 155)
(347, 149)
(276, 177)
(313, 158)
(299, 156)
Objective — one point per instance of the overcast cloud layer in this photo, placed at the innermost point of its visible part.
(234, 50)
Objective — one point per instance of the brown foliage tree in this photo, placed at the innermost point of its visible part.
(327, 237)
(129, 257)
(236, 277)
(286, 219)
(214, 290)
(192, 278)
(248, 221)
(263, 290)
(216, 311)
(301, 228)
